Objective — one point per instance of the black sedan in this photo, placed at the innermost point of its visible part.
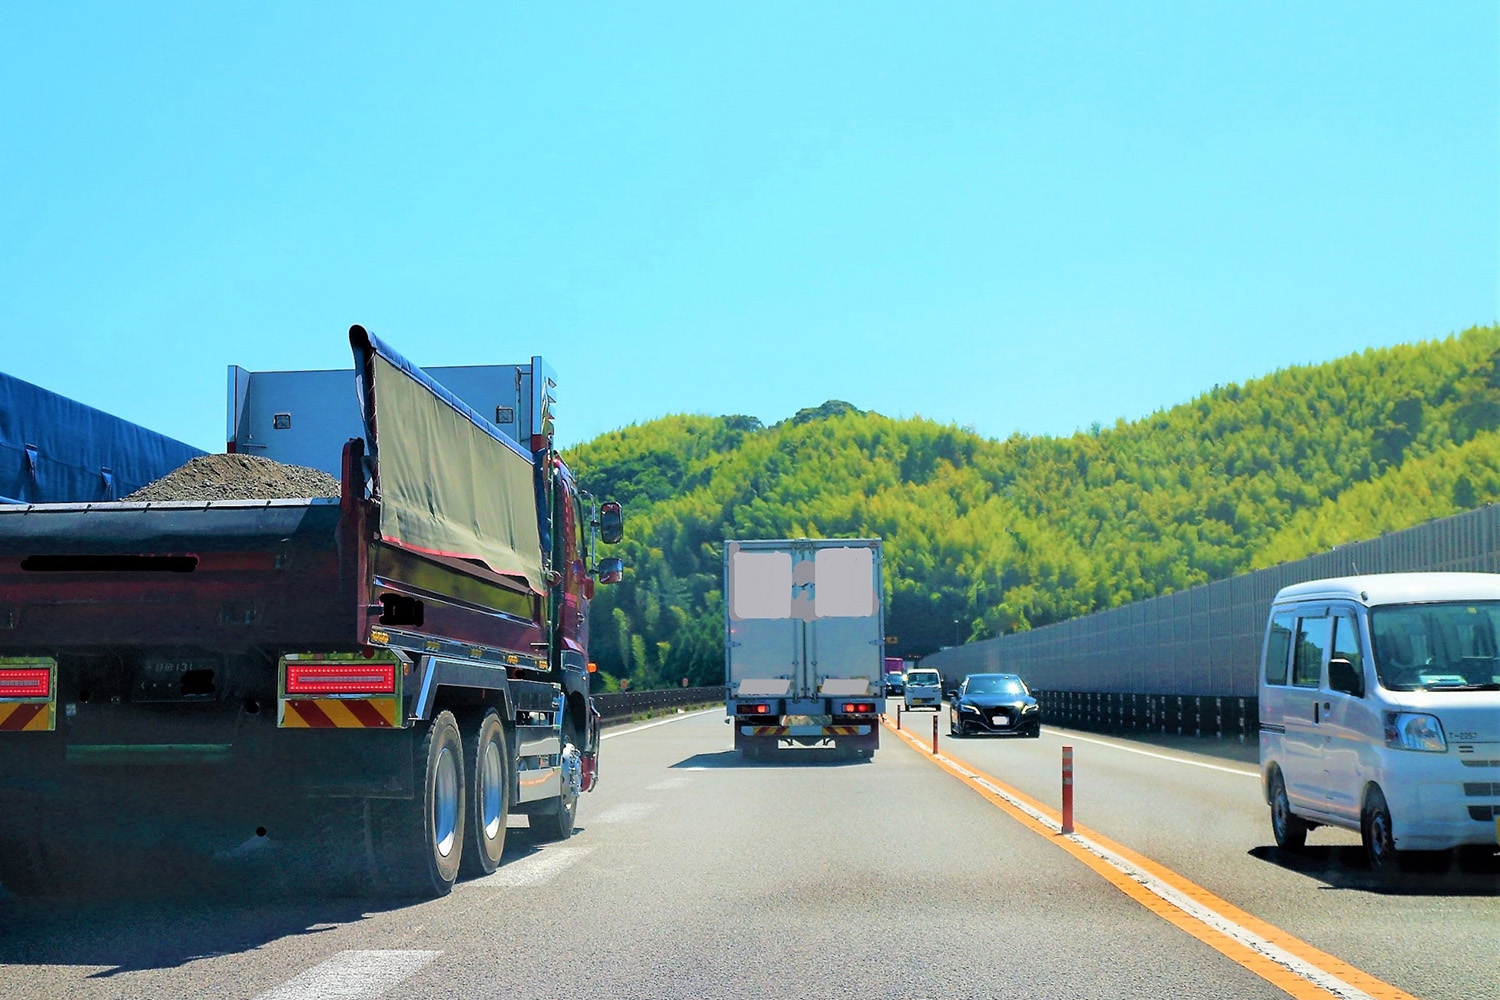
(994, 703)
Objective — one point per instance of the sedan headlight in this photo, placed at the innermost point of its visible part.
(968, 708)
(1028, 708)
(1414, 731)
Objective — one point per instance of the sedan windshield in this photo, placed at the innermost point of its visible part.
(1437, 647)
(922, 677)
(995, 685)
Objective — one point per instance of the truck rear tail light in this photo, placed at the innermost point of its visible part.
(304, 677)
(755, 709)
(858, 707)
(28, 682)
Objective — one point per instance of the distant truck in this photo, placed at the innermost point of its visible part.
(895, 667)
(386, 674)
(804, 644)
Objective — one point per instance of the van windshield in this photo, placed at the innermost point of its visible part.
(1437, 647)
(919, 677)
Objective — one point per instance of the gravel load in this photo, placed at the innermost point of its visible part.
(238, 477)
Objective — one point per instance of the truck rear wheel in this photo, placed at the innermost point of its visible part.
(422, 838)
(489, 797)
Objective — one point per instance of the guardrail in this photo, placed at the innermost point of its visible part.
(623, 704)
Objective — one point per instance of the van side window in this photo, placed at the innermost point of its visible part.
(1278, 647)
(1312, 642)
(1346, 641)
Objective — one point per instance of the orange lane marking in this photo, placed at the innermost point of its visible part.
(1269, 970)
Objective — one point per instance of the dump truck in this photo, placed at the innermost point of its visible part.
(804, 644)
(386, 674)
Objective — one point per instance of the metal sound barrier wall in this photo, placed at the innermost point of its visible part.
(1203, 643)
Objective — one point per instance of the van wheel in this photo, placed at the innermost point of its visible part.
(1375, 831)
(1288, 827)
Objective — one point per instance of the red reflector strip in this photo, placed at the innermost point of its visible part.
(340, 678)
(25, 684)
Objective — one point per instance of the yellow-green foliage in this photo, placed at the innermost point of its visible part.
(1005, 535)
(1452, 479)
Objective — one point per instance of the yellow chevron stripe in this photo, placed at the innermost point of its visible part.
(339, 712)
(40, 723)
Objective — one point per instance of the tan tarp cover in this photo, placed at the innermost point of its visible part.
(447, 487)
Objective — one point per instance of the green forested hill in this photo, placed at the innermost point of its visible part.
(1005, 535)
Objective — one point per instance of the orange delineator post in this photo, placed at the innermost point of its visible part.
(1067, 789)
(934, 735)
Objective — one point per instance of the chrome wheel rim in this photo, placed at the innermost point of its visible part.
(490, 774)
(445, 804)
(572, 773)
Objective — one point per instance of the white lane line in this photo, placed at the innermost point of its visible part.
(1147, 753)
(659, 722)
(1175, 897)
(667, 785)
(352, 974)
(540, 867)
(626, 812)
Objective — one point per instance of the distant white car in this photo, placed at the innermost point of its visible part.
(924, 689)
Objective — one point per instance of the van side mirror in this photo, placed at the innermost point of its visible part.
(611, 570)
(611, 522)
(1343, 678)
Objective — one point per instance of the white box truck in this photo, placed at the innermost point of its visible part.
(804, 644)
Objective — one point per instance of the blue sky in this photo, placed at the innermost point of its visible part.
(1012, 216)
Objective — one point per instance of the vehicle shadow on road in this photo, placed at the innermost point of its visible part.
(165, 914)
(1437, 874)
(801, 757)
(128, 935)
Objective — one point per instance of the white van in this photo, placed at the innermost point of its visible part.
(924, 689)
(1380, 711)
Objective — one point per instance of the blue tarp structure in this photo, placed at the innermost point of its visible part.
(57, 450)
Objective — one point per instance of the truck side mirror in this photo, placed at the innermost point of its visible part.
(611, 523)
(611, 570)
(1343, 678)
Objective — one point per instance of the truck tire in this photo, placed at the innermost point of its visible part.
(422, 838)
(488, 751)
(555, 819)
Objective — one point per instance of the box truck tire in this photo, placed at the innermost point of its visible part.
(422, 838)
(557, 816)
(488, 753)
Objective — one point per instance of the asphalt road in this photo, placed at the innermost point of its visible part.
(693, 874)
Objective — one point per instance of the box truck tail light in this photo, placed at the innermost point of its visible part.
(755, 709)
(858, 707)
(311, 677)
(25, 683)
